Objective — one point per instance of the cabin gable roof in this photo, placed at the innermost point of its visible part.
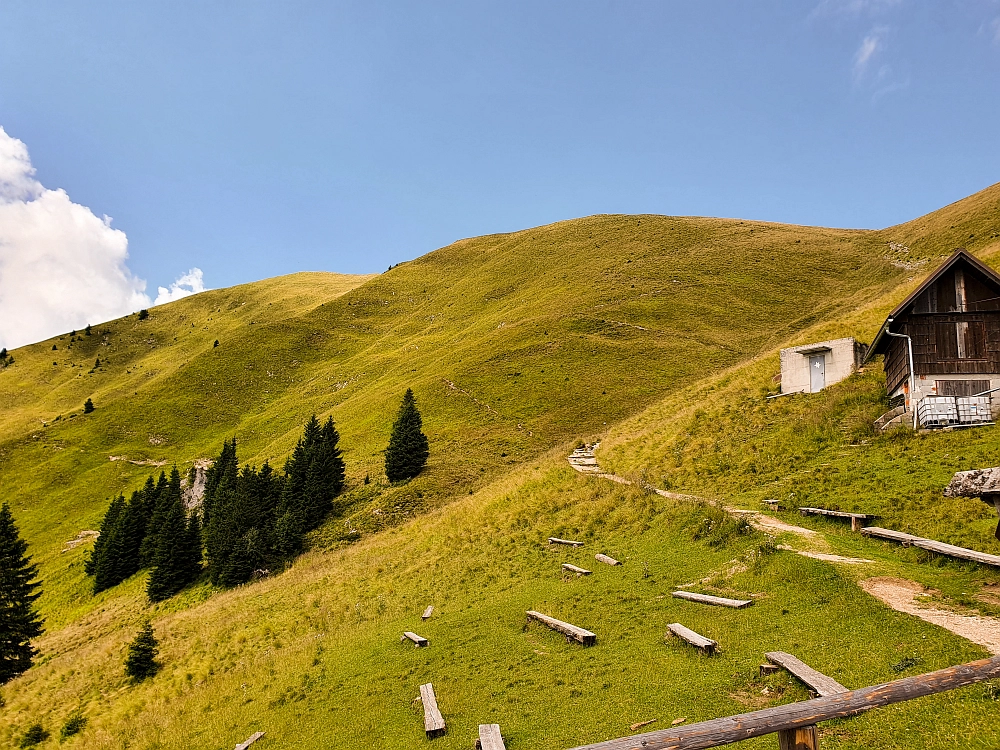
(960, 256)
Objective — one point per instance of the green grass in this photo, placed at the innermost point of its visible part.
(656, 333)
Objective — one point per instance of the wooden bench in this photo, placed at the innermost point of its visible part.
(718, 601)
(941, 548)
(818, 682)
(490, 738)
(575, 569)
(433, 720)
(252, 739)
(570, 542)
(427, 613)
(857, 519)
(606, 560)
(707, 645)
(420, 641)
(570, 631)
(773, 504)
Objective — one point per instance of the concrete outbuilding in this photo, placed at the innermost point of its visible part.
(812, 367)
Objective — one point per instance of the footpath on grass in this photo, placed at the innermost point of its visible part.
(899, 594)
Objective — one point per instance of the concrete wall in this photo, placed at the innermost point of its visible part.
(841, 357)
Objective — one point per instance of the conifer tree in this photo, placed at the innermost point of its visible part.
(19, 622)
(88, 406)
(172, 561)
(408, 448)
(140, 662)
(106, 559)
(104, 534)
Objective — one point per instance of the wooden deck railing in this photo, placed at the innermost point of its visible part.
(793, 718)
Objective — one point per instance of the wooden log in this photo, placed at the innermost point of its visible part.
(717, 732)
(941, 548)
(893, 536)
(606, 560)
(433, 720)
(718, 601)
(574, 569)
(248, 742)
(570, 631)
(698, 641)
(427, 613)
(420, 641)
(570, 542)
(803, 738)
(817, 681)
(490, 738)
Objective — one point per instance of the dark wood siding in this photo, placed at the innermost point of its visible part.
(961, 387)
(935, 346)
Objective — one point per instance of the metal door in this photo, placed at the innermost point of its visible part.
(817, 372)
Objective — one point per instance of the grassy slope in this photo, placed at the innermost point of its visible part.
(726, 440)
(291, 654)
(512, 343)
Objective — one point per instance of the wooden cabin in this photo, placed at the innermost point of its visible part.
(953, 324)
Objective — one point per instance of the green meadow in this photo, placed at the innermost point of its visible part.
(658, 335)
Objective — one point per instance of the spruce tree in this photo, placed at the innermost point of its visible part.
(106, 558)
(107, 524)
(408, 448)
(88, 406)
(174, 565)
(140, 662)
(19, 622)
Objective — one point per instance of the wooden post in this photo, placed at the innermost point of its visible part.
(803, 738)
(855, 524)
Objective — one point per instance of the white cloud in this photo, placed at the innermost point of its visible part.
(190, 283)
(61, 267)
(994, 28)
(870, 47)
(853, 7)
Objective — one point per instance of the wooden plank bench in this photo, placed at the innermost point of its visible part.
(941, 548)
(570, 542)
(490, 738)
(574, 569)
(795, 723)
(773, 504)
(718, 601)
(433, 720)
(707, 645)
(249, 741)
(857, 519)
(570, 631)
(606, 560)
(418, 640)
(427, 613)
(818, 682)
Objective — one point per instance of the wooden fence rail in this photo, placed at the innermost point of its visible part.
(796, 716)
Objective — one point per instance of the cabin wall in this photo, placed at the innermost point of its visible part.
(841, 358)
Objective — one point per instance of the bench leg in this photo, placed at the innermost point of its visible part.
(803, 738)
(855, 524)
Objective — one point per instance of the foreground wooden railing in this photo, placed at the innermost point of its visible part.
(792, 719)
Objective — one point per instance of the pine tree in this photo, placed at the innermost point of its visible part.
(88, 406)
(408, 448)
(104, 534)
(140, 662)
(19, 622)
(174, 562)
(106, 558)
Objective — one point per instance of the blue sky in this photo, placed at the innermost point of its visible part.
(252, 139)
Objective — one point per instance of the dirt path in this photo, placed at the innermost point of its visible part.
(904, 596)
(898, 593)
(584, 461)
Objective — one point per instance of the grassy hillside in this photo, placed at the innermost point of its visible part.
(656, 333)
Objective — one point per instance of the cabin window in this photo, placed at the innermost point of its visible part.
(966, 340)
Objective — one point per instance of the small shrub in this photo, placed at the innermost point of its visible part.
(88, 406)
(74, 725)
(35, 735)
(143, 314)
(215, 344)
